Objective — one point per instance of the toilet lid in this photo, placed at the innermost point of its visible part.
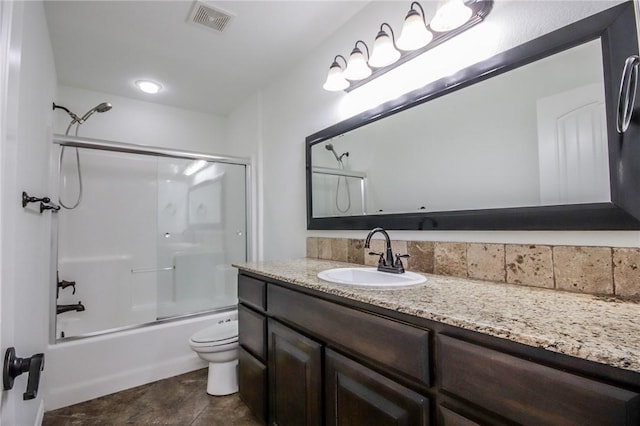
(217, 333)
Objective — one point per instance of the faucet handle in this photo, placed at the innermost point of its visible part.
(399, 257)
(64, 284)
(380, 254)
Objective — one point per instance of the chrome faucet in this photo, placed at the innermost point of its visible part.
(385, 260)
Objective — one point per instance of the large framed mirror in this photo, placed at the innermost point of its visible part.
(524, 140)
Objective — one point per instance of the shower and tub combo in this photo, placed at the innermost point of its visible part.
(145, 241)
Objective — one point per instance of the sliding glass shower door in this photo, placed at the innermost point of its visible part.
(201, 232)
(153, 237)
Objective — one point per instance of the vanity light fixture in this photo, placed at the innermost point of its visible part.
(148, 86)
(451, 18)
(357, 67)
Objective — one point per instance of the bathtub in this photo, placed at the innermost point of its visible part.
(87, 368)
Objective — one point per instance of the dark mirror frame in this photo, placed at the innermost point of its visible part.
(616, 29)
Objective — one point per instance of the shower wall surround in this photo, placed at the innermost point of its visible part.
(594, 270)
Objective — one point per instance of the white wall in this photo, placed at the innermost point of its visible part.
(28, 88)
(244, 139)
(145, 123)
(296, 106)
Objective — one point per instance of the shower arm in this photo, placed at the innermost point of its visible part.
(71, 114)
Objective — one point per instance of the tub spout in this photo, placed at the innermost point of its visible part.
(66, 308)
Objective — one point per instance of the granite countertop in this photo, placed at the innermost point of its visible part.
(595, 328)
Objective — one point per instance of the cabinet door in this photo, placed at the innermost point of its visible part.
(358, 396)
(295, 374)
(252, 384)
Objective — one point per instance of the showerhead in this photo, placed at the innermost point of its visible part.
(329, 147)
(103, 107)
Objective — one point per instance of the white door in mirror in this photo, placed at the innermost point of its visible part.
(370, 277)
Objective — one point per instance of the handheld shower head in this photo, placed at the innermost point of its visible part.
(103, 107)
(329, 147)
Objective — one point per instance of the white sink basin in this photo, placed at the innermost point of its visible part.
(370, 277)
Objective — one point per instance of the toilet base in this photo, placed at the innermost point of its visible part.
(223, 378)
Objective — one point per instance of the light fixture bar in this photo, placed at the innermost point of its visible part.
(480, 9)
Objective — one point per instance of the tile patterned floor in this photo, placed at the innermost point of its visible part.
(180, 400)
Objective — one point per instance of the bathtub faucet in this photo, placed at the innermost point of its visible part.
(66, 308)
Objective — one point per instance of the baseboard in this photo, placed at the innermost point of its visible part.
(65, 396)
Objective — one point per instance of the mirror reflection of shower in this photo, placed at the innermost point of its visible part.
(329, 147)
(77, 121)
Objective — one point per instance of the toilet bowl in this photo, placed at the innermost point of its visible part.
(218, 345)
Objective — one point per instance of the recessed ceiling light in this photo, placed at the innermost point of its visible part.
(148, 86)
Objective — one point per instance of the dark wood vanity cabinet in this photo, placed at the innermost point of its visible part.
(307, 358)
(252, 333)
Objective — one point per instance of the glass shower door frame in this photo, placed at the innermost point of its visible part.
(105, 145)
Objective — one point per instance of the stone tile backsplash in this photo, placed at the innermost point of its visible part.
(595, 270)
(530, 265)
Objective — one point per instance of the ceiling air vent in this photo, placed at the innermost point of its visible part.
(208, 16)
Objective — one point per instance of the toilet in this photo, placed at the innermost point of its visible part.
(218, 345)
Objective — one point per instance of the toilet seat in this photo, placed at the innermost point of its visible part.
(216, 335)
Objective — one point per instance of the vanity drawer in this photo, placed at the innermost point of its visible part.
(530, 393)
(252, 329)
(252, 292)
(399, 347)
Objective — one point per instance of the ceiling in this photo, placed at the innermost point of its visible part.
(107, 45)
